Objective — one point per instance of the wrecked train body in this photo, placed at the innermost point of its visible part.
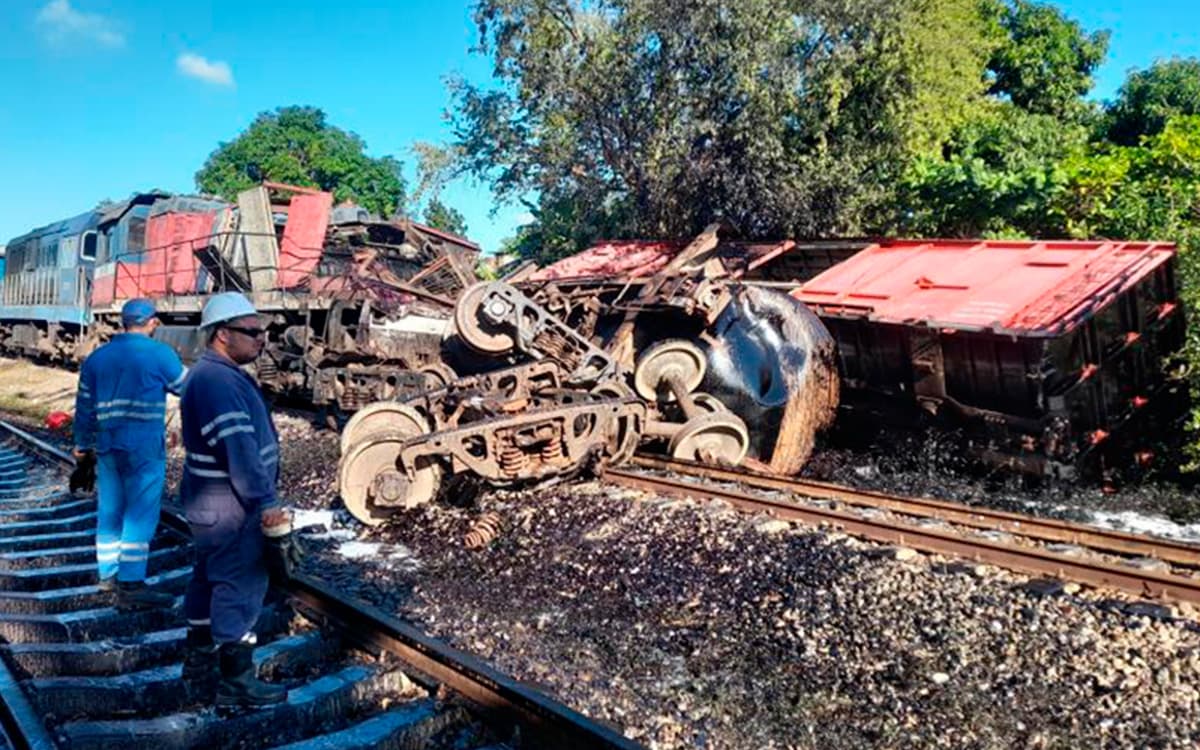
(687, 361)
(356, 307)
(1048, 354)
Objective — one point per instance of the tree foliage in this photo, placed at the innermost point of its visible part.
(652, 117)
(996, 178)
(440, 216)
(1046, 61)
(1150, 97)
(296, 145)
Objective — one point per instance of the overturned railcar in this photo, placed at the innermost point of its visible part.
(1045, 352)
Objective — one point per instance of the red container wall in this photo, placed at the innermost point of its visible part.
(170, 264)
(303, 238)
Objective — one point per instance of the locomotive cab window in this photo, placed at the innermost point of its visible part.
(87, 249)
(136, 241)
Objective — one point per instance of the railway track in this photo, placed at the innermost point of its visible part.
(77, 673)
(1144, 566)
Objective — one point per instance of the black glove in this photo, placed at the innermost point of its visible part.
(283, 552)
(83, 478)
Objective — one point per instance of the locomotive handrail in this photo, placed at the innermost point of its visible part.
(135, 268)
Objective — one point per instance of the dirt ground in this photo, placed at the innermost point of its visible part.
(34, 391)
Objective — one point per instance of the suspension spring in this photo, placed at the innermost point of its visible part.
(485, 528)
(552, 452)
(512, 460)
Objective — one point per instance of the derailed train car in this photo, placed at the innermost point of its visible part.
(356, 307)
(1044, 352)
(571, 376)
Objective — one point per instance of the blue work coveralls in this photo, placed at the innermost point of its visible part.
(229, 478)
(120, 410)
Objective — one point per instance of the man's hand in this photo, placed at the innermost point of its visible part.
(284, 552)
(83, 478)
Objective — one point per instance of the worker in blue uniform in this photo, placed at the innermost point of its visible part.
(120, 410)
(241, 532)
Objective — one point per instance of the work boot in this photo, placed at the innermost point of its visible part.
(136, 595)
(201, 666)
(239, 687)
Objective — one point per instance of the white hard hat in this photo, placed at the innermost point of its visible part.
(225, 307)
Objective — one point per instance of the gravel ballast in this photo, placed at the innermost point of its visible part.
(689, 625)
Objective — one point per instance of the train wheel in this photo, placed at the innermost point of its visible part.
(719, 438)
(477, 333)
(627, 433)
(708, 403)
(673, 358)
(438, 375)
(382, 416)
(372, 484)
(613, 389)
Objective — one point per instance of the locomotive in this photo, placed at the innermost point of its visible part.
(357, 307)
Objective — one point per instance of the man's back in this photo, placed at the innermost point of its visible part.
(122, 390)
(228, 434)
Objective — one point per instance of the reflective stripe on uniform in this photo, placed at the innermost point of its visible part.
(136, 415)
(230, 431)
(223, 418)
(207, 473)
(174, 384)
(131, 402)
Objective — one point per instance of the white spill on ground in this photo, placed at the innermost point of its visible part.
(393, 556)
(320, 524)
(1138, 523)
(302, 519)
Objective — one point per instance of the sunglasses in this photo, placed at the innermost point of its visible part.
(251, 332)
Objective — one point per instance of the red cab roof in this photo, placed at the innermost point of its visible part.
(998, 285)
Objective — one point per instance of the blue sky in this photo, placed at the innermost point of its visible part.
(100, 98)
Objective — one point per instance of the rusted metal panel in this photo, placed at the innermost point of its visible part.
(256, 238)
(171, 239)
(303, 237)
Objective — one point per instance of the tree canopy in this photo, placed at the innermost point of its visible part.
(440, 216)
(651, 117)
(296, 145)
(1150, 97)
(1045, 61)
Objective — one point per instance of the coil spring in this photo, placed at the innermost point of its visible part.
(556, 346)
(552, 452)
(485, 528)
(512, 460)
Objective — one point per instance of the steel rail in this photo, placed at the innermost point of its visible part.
(501, 700)
(1044, 529)
(1031, 560)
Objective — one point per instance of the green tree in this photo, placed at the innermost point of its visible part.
(1046, 63)
(1148, 191)
(440, 216)
(296, 145)
(653, 117)
(1150, 97)
(997, 177)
